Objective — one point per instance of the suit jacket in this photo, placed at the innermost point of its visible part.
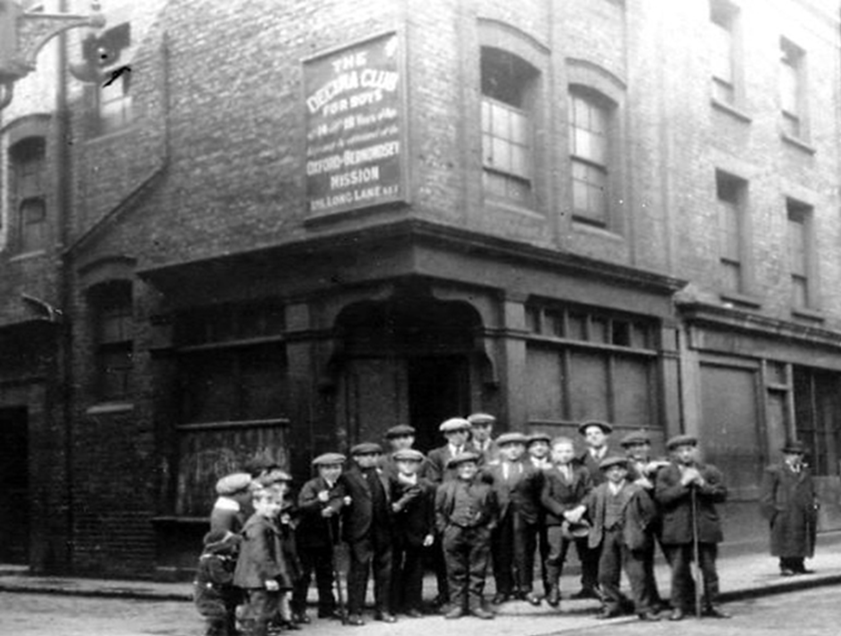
(676, 505)
(638, 511)
(261, 555)
(481, 491)
(435, 466)
(359, 517)
(313, 529)
(414, 518)
(789, 502)
(557, 495)
(520, 492)
(586, 459)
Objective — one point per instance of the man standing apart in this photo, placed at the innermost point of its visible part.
(789, 503)
(687, 491)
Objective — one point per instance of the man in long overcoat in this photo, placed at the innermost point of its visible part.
(789, 504)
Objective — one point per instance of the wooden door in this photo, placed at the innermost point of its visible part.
(14, 492)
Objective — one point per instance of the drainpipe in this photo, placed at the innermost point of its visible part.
(64, 363)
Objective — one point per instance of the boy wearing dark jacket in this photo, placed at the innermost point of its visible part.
(319, 504)
(413, 505)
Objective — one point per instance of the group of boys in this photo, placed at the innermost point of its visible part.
(472, 501)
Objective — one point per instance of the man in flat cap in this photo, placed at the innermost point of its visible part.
(642, 470)
(596, 434)
(790, 504)
(619, 511)
(538, 448)
(413, 506)
(466, 512)
(319, 504)
(398, 438)
(481, 431)
(516, 484)
(368, 532)
(687, 491)
(456, 431)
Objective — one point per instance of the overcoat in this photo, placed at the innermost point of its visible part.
(358, 517)
(261, 556)
(676, 505)
(789, 504)
(520, 492)
(639, 512)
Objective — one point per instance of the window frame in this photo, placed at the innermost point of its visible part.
(802, 275)
(605, 107)
(726, 18)
(793, 103)
(27, 188)
(112, 304)
(733, 248)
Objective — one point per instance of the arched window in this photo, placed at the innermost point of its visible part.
(28, 189)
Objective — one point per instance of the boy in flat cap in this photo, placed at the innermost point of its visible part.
(538, 449)
(399, 437)
(596, 434)
(456, 431)
(481, 431)
(319, 505)
(214, 593)
(368, 532)
(687, 491)
(619, 512)
(642, 470)
(413, 506)
(565, 488)
(232, 506)
(466, 512)
(789, 502)
(516, 485)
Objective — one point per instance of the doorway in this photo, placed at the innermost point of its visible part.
(438, 390)
(14, 493)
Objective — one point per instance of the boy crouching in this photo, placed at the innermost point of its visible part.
(620, 512)
(214, 594)
(466, 512)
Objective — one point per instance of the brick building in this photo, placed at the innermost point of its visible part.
(281, 228)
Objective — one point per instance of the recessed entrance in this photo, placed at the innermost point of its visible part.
(14, 493)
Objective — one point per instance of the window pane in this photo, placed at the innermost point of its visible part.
(501, 155)
(722, 53)
(588, 388)
(632, 392)
(799, 291)
(33, 214)
(545, 384)
(789, 87)
(499, 121)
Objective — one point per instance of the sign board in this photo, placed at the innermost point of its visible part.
(355, 118)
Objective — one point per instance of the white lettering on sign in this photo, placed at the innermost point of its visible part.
(355, 177)
(368, 78)
(335, 162)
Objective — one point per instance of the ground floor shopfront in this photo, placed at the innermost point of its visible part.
(290, 352)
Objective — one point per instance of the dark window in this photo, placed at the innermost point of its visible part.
(817, 412)
(28, 190)
(113, 338)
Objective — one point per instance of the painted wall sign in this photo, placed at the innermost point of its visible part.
(355, 141)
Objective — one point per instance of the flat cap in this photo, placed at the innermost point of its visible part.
(329, 459)
(454, 424)
(681, 440)
(613, 460)
(233, 483)
(408, 454)
(607, 429)
(481, 419)
(367, 448)
(539, 437)
(794, 446)
(401, 430)
(511, 438)
(635, 438)
(462, 458)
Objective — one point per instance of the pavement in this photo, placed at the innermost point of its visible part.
(745, 570)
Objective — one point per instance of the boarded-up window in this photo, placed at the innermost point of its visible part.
(113, 326)
(729, 427)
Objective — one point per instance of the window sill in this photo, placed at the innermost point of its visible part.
(508, 206)
(114, 134)
(744, 301)
(589, 228)
(28, 255)
(798, 143)
(731, 110)
(808, 314)
(107, 408)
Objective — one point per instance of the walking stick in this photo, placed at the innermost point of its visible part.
(696, 574)
(336, 574)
